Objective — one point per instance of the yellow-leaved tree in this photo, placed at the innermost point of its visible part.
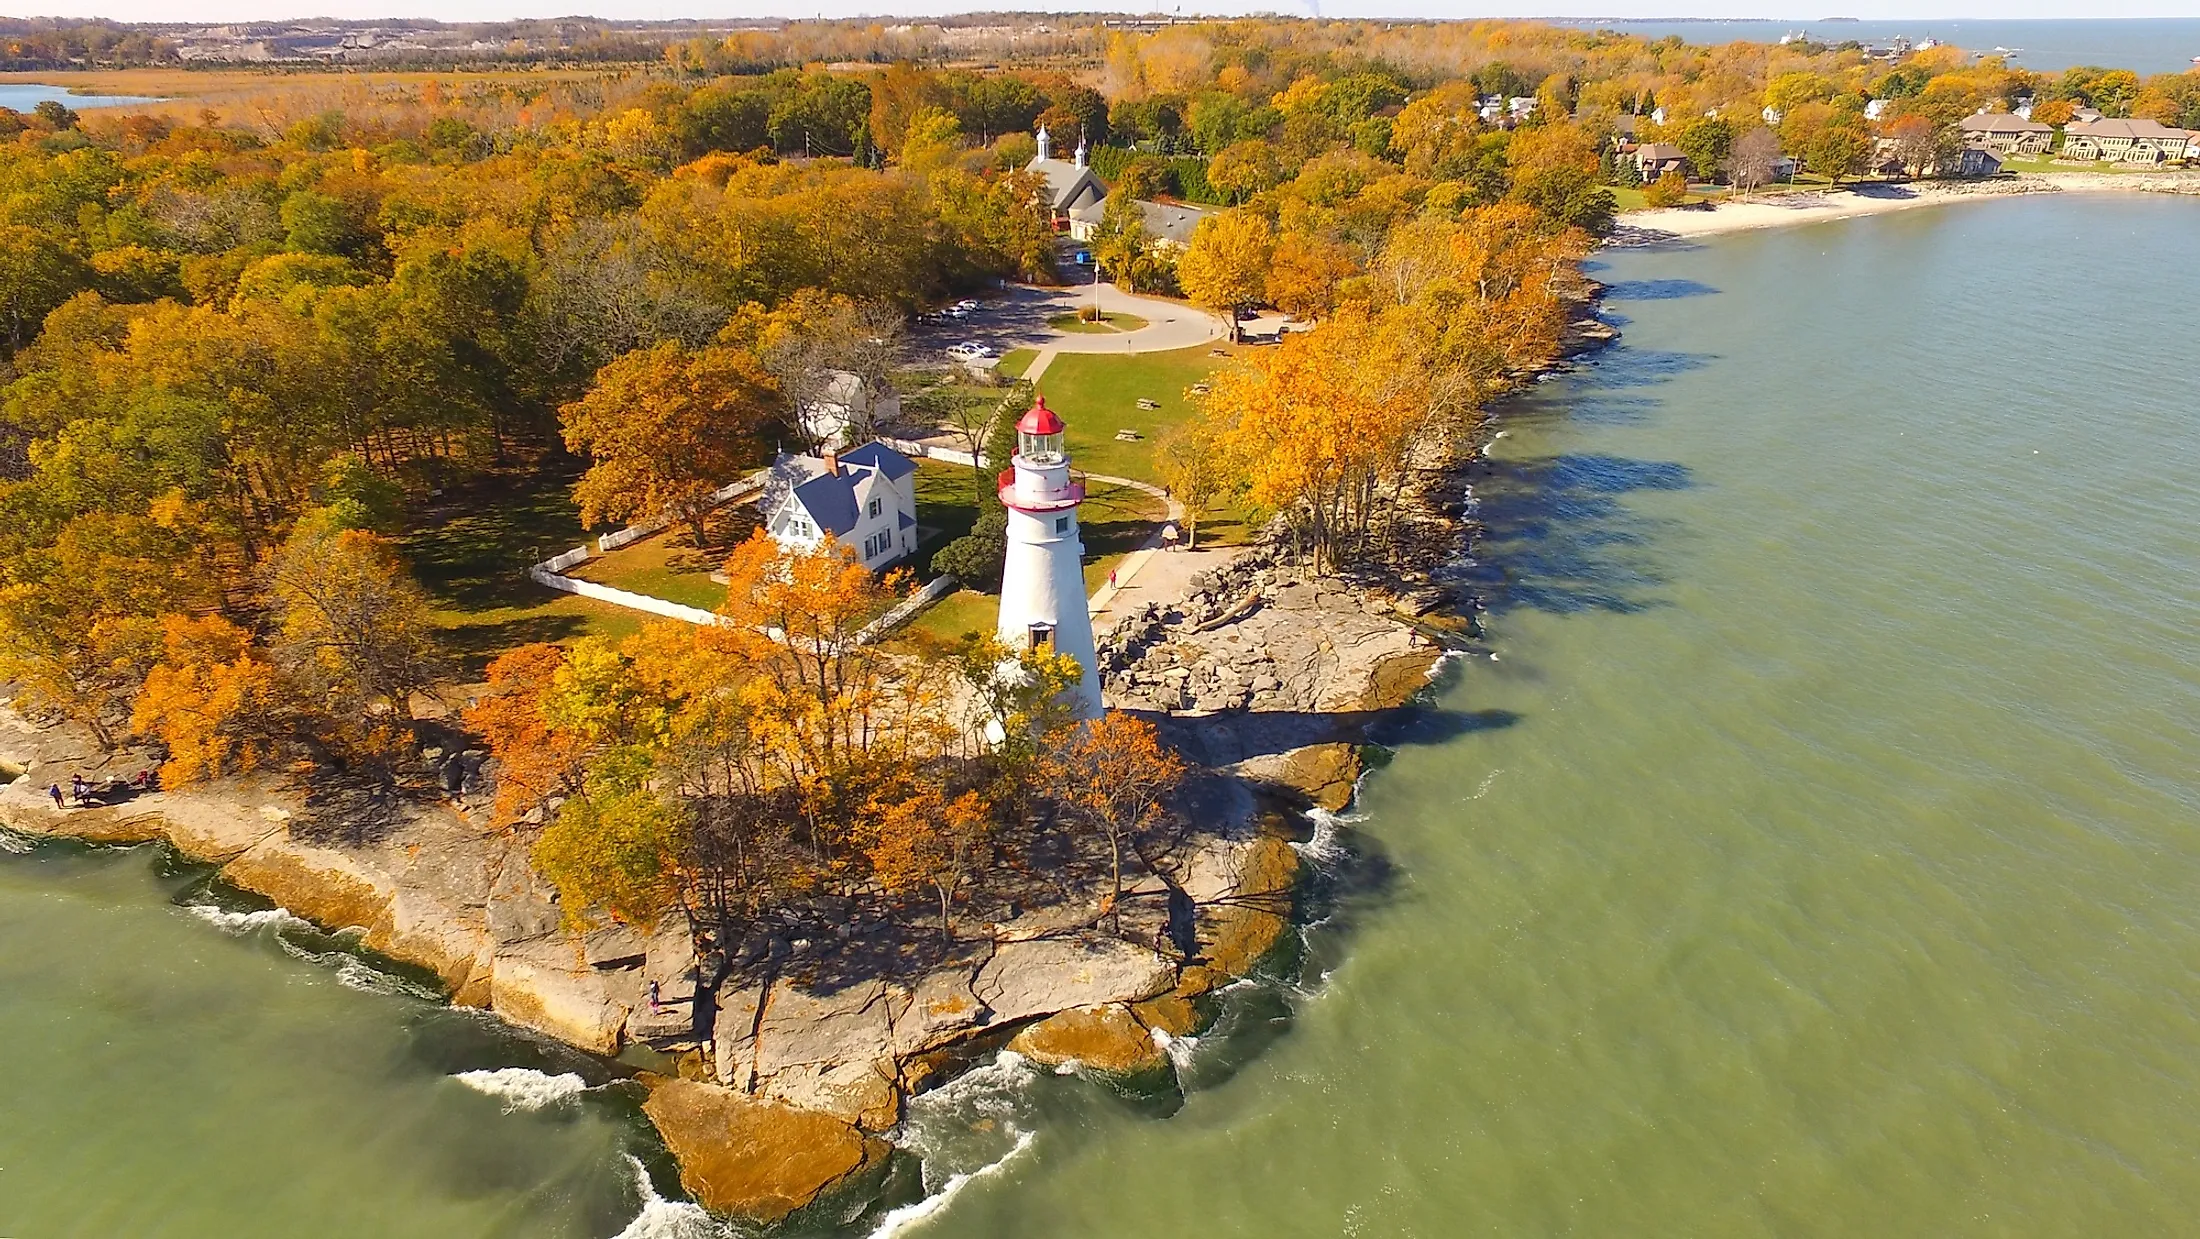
(1225, 269)
(212, 701)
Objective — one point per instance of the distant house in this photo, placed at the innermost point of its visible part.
(866, 499)
(1070, 184)
(2087, 115)
(1171, 224)
(1655, 159)
(2124, 141)
(2006, 133)
(1978, 161)
(844, 409)
(1873, 110)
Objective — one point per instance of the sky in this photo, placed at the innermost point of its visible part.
(501, 10)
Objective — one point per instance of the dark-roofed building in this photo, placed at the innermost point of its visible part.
(2006, 133)
(1071, 185)
(2124, 141)
(866, 499)
(1171, 224)
(1655, 159)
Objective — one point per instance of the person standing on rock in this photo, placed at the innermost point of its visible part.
(76, 787)
(656, 1000)
(55, 792)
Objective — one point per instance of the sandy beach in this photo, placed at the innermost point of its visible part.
(1784, 210)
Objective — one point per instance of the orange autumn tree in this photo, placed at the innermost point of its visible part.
(1114, 776)
(917, 836)
(664, 427)
(825, 711)
(212, 701)
(535, 760)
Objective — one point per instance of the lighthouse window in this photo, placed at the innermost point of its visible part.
(1061, 524)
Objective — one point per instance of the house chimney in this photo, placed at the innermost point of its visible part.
(832, 463)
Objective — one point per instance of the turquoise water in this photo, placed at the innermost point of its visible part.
(1818, 855)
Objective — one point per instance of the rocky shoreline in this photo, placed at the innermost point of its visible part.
(792, 1060)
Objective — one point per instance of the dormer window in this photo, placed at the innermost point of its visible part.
(876, 508)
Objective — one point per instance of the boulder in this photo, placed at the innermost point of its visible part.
(1040, 977)
(752, 1158)
(1323, 773)
(1107, 1039)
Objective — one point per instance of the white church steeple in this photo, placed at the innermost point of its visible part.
(1046, 144)
(1043, 576)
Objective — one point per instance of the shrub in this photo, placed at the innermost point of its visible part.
(1669, 190)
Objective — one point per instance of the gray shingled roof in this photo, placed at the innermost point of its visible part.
(1166, 221)
(830, 499)
(2001, 122)
(2125, 129)
(876, 455)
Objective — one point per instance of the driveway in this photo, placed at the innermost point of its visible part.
(1017, 317)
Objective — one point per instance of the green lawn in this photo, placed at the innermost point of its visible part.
(1109, 324)
(667, 566)
(1015, 361)
(470, 548)
(1097, 394)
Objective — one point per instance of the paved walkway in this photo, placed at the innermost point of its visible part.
(1169, 325)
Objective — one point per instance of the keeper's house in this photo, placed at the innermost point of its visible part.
(865, 499)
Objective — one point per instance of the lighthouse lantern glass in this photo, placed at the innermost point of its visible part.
(1040, 449)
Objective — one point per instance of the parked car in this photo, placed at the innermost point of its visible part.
(968, 306)
(969, 350)
(956, 311)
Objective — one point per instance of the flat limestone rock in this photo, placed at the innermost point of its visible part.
(323, 885)
(1323, 773)
(753, 1158)
(545, 986)
(1106, 1039)
(1024, 979)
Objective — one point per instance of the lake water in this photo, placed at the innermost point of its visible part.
(2144, 45)
(23, 96)
(1820, 854)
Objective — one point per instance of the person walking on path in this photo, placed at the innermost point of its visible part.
(656, 1000)
(55, 792)
(1169, 536)
(76, 787)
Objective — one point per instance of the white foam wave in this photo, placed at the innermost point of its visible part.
(1179, 1049)
(353, 972)
(524, 1088)
(242, 923)
(667, 1219)
(1487, 779)
(897, 1221)
(1324, 845)
(15, 843)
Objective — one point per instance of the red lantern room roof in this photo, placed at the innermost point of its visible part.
(1040, 421)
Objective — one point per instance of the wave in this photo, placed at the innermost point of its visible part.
(242, 923)
(899, 1220)
(524, 1088)
(666, 1219)
(18, 844)
(1324, 848)
(351, 971)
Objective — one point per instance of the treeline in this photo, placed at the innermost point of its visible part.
(228, 350)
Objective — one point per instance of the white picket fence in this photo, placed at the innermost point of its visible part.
(643, 528)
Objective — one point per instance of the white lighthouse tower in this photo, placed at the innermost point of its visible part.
(1043, 578)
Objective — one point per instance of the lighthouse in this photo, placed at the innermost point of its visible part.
(1043, 578)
